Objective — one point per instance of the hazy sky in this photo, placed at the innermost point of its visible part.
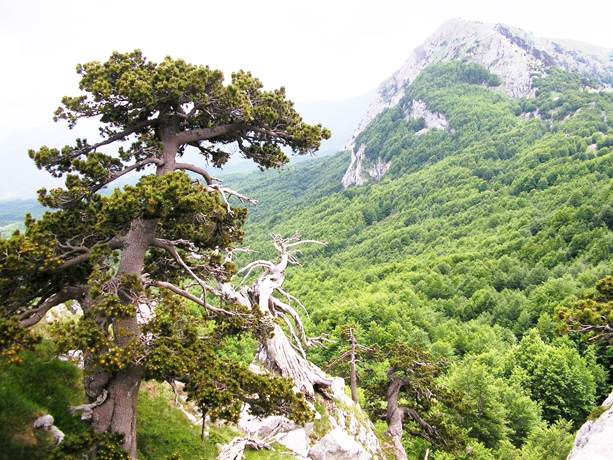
(317, 49)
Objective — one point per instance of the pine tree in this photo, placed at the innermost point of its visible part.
(162, 245)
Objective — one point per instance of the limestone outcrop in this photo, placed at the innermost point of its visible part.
(342, 432)
(594, 441)
(515, 55)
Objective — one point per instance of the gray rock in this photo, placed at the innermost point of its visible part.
(368, 439)
(45, 422)
(267, 427)
(594, 441)
(296, 441)
(338, 445)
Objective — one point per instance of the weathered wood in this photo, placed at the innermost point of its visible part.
(235, 450)
(277, 352)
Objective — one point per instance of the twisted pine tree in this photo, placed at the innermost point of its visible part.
(411, 399)
(592, 315)
(158, 246)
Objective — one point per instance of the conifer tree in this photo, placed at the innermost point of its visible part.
(138, 258)
(410, 399)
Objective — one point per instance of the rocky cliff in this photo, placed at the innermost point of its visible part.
(514, 55)
(594, 441)
(341, 431)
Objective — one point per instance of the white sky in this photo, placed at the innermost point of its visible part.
(317, 49)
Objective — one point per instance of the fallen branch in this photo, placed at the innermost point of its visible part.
(235, 450)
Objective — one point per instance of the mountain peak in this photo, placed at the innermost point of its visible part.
(513, 54)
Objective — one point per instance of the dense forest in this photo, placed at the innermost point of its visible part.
(470, 249)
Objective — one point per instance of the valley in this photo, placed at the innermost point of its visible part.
(469, 212)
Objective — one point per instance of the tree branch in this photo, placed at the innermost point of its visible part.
(31, 317)
(125, 171)
(195, 169)
(170, 249)
(193, 298)
(119, 136)
(204, 134)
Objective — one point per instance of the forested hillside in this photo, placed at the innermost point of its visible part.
(468, 247)
(452, 268)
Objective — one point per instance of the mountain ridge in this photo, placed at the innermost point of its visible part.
(509, 52)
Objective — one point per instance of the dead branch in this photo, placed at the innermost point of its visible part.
(33, 316)
(193, 298)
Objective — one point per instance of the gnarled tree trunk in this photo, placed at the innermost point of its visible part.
(277, 352)
(118, 412)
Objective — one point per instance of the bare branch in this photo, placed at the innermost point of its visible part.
(291, 312)
(75, 261)
(195, 169)
(33, 316)
(296, 345)
(257, 263)
(319, 341)
(168, 247)
(290, 297)
(304, 242)
(193, 298)
(225, 190)
(123, 172)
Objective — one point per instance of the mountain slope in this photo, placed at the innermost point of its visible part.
(516, 57)
(489, 215)
(470, 243)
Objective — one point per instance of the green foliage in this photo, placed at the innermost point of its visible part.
(38, 384)
(597, 412)
(91, 445)
(494, 410)
(163, 430)
(476, 235)
(556, 376)
(14, 340)
(592, 315)
(136, 248)
(552, 442)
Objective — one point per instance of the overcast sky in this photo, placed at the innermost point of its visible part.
(317, 49)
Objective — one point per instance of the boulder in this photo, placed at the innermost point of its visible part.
(45, 422)
(296, 441)
(594, 441)
(338, 391)
(338, 445)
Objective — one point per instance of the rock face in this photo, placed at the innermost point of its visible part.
(594, 441)
(343, 433)
(516, 56)
(338, 445)
(360, 165)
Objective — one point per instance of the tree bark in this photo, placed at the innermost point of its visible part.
(395, 417)
(354, 373)
(118, 412)
(278, 354)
